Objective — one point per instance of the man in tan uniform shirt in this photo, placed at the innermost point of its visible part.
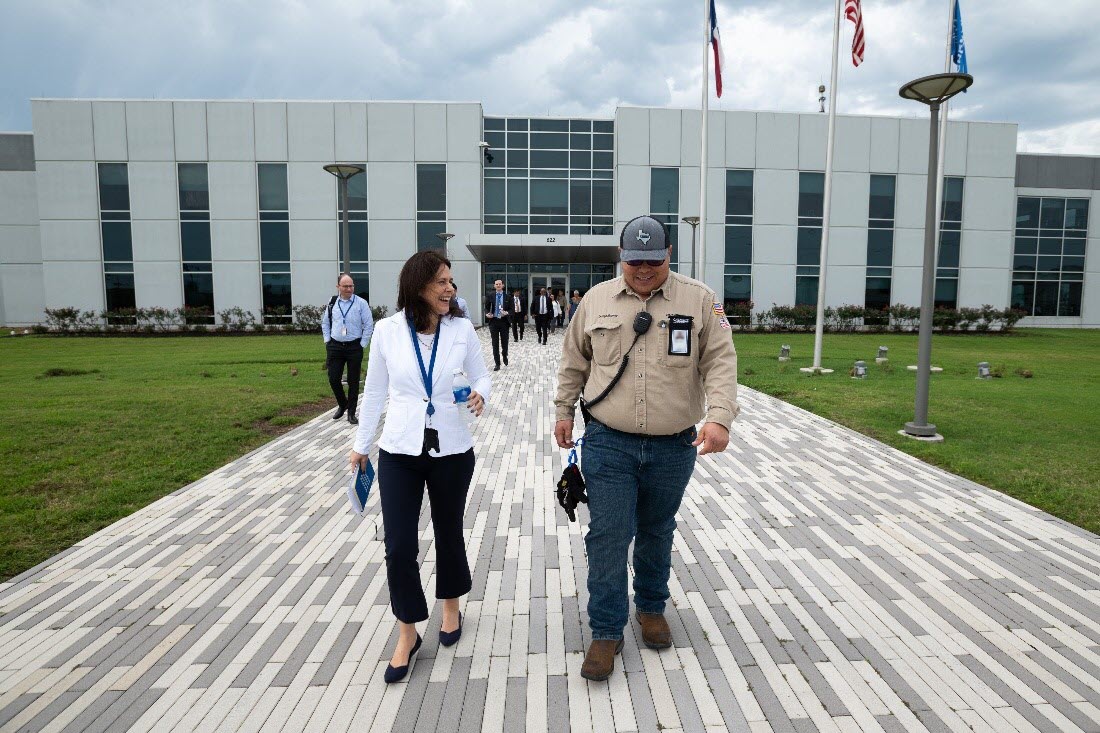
(640, 446)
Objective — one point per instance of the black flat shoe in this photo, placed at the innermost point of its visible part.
(450, 638)
(396, 674)
(352, 418)
(339, 413)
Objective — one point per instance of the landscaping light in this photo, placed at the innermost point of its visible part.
(983, 370)
(859, 371)
(882, 357)
(785, 352)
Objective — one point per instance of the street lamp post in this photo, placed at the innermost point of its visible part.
(345, 171)
(694, 221)
(446, 237)
(931, 90)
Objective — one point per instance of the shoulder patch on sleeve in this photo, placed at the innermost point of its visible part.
(720, 313)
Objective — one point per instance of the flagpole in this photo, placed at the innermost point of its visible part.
(942, 131)
(819, 330)
(698, 262)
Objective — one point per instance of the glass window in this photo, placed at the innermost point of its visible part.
(603, 142)
(494, 196)
(357, 192)
(517, 123)
(549, 197)
(949, 249)
(517, 140)
(580, 198)
(738, 193)
(517, 159)
(603, 126)
(357, 232)
(602, 161)
(120, 291)
(117, 243)
(275, 241)
(195, 241)
(114, 187)
(494, 123)
(737, 289)
(951, 209)
(664, 190)
(1052, 215)
(517, 196)
(580, 141)
(1046, 298)
(272, 184)
(1069, 299)
(580, 160)
(426, 232)
(198, 291)
(881, 204)
(580, 125)
(880, 247)
(809, 248)
(1023, 295)
(602, 204)
(947, 293)
(194, 188)
(431, 187)
(811, 194)
(276, 294)
(805, 290)
(1027, 213)
(1077, 214)
(1073, 246)
(545, 125)
(549, 159)
(549, 141)
(877, 293)
(738, 245)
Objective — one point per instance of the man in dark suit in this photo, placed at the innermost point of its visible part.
(542, 310)
(497, 308)
(519, 315)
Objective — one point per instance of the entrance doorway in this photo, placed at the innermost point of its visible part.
(552, 283)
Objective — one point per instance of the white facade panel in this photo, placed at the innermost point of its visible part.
(772, 285)
(813, 134)
(67, 190)
(775, 197)
(237, 285)
(632, 136)
(391, 191)
(715, 247)
(991, 150)
(986, 249)
(774, 245)
(883, 153)
(24, 294)
(740, 139)
(158, 285)
(988, 203)
(311, 128)
(847, 248)
(1090, 300)
(190, 130)
(852, 149)
(153, 191)
(312, 283)
(384, 275)
(716, 139)
(83, 285)
(910, 196)
(691, 139)
(430, 132)
(664, 137)
(109, 130)
(980, 286)
(235, 240)
(716, 195)
(468, 274)
(908, 247)
(913, 146)
(776, 140)
(954, 153)
(845, 286)
(850, 199)
(462, 229)
(156, 241)
(232, 190)
(315, 240)
(20, 245)
(463, 191)
(390, 132)
(631, 192)
(905, 286)
(70, 240)
(270, 131)
(392, 240)
(230, 131)
(350, 122)
(149, 133)
(313, 193)
(18, 198)
(62, 130)
(464, 132)
(689, 194)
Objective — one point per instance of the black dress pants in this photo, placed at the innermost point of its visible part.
(518, 324)
(542, 327)
(341, 353)
(401, 481)
(498, 329)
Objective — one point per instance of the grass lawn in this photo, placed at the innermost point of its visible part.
(153, 414)
(1037, 439)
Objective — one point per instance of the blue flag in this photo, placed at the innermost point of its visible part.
(958, 48)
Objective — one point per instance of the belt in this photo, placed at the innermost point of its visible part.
(640, 435)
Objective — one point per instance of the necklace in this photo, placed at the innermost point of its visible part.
(425, 341)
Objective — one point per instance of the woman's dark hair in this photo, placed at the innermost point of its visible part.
(418, 272)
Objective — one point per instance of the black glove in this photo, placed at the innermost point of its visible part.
(570, 490)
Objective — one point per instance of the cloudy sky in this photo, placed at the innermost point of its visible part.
(556, 57)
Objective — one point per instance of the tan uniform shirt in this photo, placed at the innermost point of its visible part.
(660, 393)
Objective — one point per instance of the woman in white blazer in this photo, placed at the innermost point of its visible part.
(425, 442)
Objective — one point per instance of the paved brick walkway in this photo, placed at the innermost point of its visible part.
(822, 582)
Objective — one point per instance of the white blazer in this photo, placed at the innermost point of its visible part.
(394, 372)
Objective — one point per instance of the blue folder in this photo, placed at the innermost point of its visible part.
(359, 489)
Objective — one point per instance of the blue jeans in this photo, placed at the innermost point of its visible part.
(635, 484)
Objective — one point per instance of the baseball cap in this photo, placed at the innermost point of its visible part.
(643, 238)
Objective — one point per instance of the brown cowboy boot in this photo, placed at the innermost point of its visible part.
(599, 663)
(655, 631)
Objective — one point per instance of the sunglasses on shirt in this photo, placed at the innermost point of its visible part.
(639, 263)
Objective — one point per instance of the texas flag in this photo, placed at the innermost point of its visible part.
(716, 44)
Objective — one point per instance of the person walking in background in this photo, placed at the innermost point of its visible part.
(573, 303)
(461, 302)
(541, 311)
(497, 308)
(346, 328)
(555, 316)
(425, 442)
(519, 316)
(640, 436)
(563, 306)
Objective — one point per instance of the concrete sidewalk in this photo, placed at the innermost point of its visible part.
(821, 582)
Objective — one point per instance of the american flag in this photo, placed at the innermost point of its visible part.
(853, 13)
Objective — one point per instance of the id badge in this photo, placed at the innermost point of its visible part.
(344, 331)
(431, 440)
(679, 335)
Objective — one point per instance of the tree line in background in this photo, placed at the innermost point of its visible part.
(854, 318)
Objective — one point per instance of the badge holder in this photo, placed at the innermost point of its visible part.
(679, 335)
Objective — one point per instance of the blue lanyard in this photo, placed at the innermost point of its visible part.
(344, 313)
(426, 375)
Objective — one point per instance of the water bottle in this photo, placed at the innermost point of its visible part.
(461, 389)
